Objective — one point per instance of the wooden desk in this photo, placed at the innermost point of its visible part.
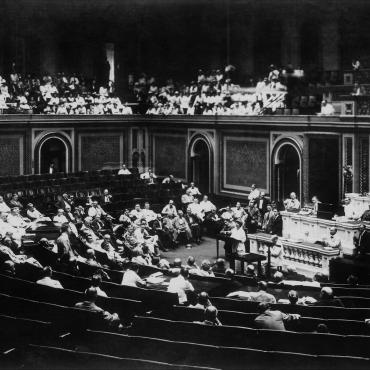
(248, 258)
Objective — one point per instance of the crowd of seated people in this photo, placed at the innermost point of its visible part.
(58, 94)
(212, 93)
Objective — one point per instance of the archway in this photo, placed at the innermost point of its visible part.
(200, 161)
(287, 171)
(53, 150)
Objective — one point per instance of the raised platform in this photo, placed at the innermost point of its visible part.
(311, 229)
(308, 258)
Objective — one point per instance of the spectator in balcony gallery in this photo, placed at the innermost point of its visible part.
(327, 109)
(272, 319)
(47, 279)
(362, 241)
(124, 170)
(292, 204)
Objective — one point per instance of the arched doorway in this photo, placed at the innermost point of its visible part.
(200, 170)
(287, 171)
(53, 150)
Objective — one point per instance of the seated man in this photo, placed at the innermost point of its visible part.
(96, 281)
(186, 199)
(207, 205)
(169, 209)
(96, 210)
(226, 213)
(260, 296)
(89, 305)
(191, 264)
(147, 213)
(219, 266)
(210, 317)
(14, 202)
(271, 319)
(136, 213)
(47, 280)
(193, 190)
(170, 179)
(238, 211)
(3, 206)
(131, 277)
(327, 298)
(124, 171)
(292, 204)
(32, 213)
(181, 285)
(205, 269)
(15, 220)
(182, 228)
(60, 217)
(143, 237)
(196, 209)
(148, 174)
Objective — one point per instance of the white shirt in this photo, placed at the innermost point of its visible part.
(179, 285)
(168, 210)
(254, 194)
(194, 191)
(34, 215)
(48, 281)
(207, 206)
(16, 221)
(4, 207)
(124, 172)
(61, 219)
(148, 214)
(131, 278)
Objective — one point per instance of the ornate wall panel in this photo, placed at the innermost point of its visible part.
(245, 161)
(11, 155)
(99, 150)
(170, 155)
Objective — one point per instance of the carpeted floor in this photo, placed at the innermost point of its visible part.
(206, 250)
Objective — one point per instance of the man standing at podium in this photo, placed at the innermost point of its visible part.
(333, 241)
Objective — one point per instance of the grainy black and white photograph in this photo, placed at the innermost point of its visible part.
(185, 184)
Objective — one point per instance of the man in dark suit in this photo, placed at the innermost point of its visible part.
(362, 241)
(276, 223)
(262, 203)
